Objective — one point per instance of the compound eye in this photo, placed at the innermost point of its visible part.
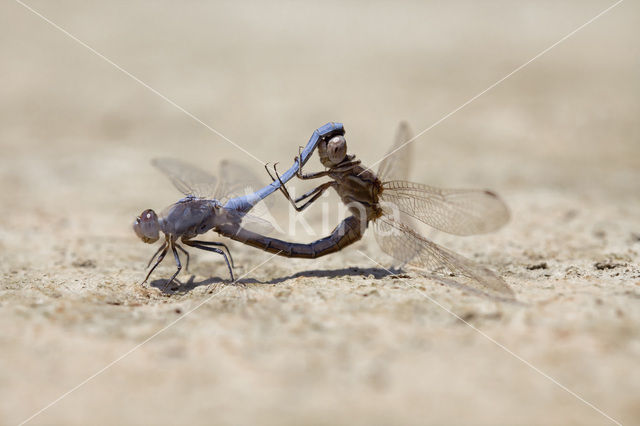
(148, 216)
(146, 226)
(337, 149)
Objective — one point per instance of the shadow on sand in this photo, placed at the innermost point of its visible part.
(185, 287)
(377, 273)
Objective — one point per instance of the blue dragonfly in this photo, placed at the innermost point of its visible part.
(212, 204)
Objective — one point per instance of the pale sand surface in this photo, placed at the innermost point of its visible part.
(338, 339)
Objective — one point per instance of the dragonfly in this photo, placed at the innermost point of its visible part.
(210, 203)
(391, 203)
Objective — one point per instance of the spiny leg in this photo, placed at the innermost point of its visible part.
(175, 255)
(194, 244)
(214, 243)
(186, 253)
(156, 253)
(314, 175)
(304, 176)
(165, 247)
(266, 168)
(314, 193)
(282, 187)
(317, 192)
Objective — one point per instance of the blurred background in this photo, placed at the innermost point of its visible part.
(558, 139)
(266, 74)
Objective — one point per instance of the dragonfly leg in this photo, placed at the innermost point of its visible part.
(186, 253)
(165, 247)
(175, 255)
(266, 167)
(304, 176)
(314, 175)
(217, 244)
(194, 244)
(283, 187)
(156, 253)
(314, 193)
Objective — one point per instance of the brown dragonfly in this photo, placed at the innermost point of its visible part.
(391, 203)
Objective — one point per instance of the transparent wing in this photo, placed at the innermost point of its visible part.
(407, 246)
(237, 180)
(386, 237)
(248, 221)
(189, 179)
(455, 211)
(397, 164)
(257, 224)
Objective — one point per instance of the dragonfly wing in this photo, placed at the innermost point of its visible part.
(455, 211)
(387, 238)
(236, 180)
(397, 163)
(247, 221)
(407, 246)
(187, 178)
(257, 224)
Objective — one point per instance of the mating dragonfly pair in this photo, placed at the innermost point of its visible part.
(385, 199)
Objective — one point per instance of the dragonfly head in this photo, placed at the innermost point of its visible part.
(333, 151)
(146, 226)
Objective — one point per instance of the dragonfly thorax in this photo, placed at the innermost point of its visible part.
(189, 217)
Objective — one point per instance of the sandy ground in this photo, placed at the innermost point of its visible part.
(339, 339)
